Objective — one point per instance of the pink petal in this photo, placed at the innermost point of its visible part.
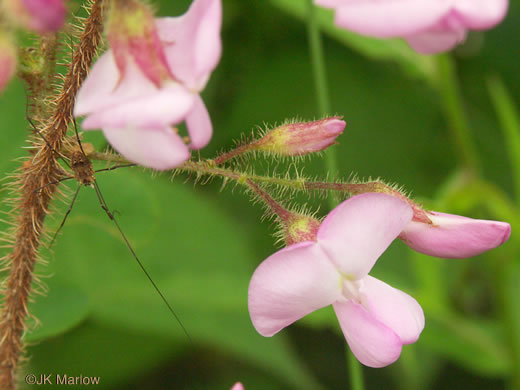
(394, 308)
(373, 343)
(104, 87)
(199, 125)
(158, 149)
(435, 40)
(194, 42)
(290, 284)
(453, 236)
(360, 229)
(238, 386)
(162, 107)
(388, 18)
(481, 14)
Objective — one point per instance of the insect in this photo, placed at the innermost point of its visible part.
(83, 172)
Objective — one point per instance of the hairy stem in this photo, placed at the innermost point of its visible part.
(274, 207)
(208, 168)
(32, 203)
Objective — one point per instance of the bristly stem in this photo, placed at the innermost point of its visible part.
(321, 85)
(32, 197)
(208, 168)
(232, 154)
(276, 208)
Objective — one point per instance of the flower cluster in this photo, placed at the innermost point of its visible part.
(329, 265)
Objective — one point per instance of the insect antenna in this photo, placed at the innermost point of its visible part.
(65, 216)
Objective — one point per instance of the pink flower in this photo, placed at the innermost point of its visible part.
(376, 319)
(238, 386)
(429, 26)
(42, 16)
(136, 113)
(454, 236)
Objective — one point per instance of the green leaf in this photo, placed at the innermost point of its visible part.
(476, 344)
(117, 356)
(62, 308)
(379, 49)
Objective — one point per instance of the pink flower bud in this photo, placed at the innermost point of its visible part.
(298, 139)
(7, 61)
(42, 16)
(132, 34)
(453, 236)
(238, 386)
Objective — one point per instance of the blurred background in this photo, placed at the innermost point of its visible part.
(101, 317)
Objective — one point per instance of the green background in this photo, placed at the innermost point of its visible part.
(101, 317)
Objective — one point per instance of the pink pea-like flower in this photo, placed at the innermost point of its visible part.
(453, 236)
(136, 113)
(429, 26)
(42, 16)
(376, 319)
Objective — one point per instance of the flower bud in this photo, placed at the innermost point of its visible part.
(453, 236)
(42, 16)
(298, 139)
(8, 60)
(132, 34)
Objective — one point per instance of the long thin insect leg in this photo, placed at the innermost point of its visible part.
(111, 216)
(77, 137)
(66, 215)
(116, 167)
(54, 182)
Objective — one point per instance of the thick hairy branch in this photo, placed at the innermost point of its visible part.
(34, 196)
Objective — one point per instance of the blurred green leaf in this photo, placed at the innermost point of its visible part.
(116, 355)
(379, 49)
(61, 309)
(475, 344)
